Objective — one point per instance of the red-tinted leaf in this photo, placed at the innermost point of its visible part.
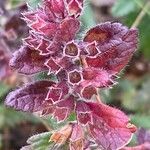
(116, 43)
(57, 7)
(43, 47)
(54, 94)
(32, 41)
(92, 49)
(77, 138)
(49, 30)
(111, 128)
(58, 64)
(46, 28)
(64, 108)
(28, 61)
(105, 32)
(64, 87)
(52, 65)
(83, 113)
(68, 103)
(75, 7)
(30, 98)
(61, 114)
(84, 118)
(61, 109)
(68, 29)
(88, 92)
(96, 77)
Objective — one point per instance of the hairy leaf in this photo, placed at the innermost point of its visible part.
(29, 98)
(38, 142)
(28, 61)
(116, 44)
(111, 128)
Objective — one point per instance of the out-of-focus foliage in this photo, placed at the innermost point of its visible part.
(16, 3)
(9, 118)
(125, 7)
(141, 120)
(3, 89)
(133, 96)
(88, 16)
(129, 10)
(0, 141)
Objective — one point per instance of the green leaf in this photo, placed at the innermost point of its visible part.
(141, 120)
(3, 89)
(39, 142)
(144, 29)
(9, 117)
(33, 3)
(44, 75)
(38, 137)
(15, 3)
(87, 17)
(72, 117)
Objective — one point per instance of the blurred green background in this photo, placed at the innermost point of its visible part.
(131, 95)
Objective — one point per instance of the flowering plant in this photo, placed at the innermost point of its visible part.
(80, 67)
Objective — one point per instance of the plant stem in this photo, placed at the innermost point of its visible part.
(141, 15)
(140, 5)
(47, 126)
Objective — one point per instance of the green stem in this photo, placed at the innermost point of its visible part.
(141, 15)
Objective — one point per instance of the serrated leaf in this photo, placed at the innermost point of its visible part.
(111, 128)
(38, 137)
(28, 61)
(30, 98)
(116, 44)
(3, 89)
(39, 142)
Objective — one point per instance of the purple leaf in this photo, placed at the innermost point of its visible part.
(28, 61)
(30, 98)
(116, 44)
(110, 128)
